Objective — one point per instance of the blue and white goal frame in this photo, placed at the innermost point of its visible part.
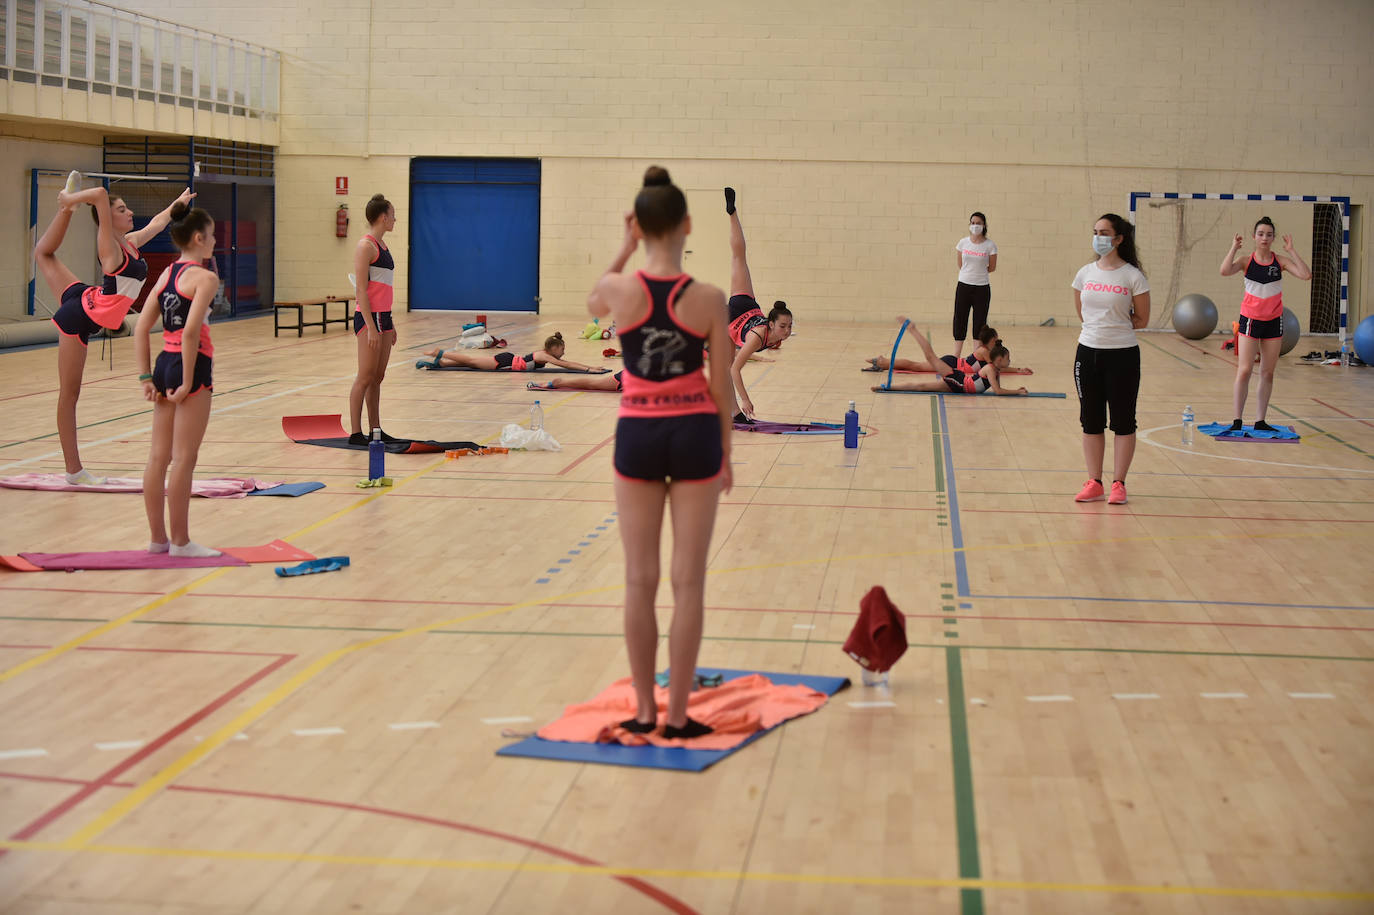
(1342, 202)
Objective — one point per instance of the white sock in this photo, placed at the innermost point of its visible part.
(74, 182)
(84, 477)
(155, 547)
(191, 550)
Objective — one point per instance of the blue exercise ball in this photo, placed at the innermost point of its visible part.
(1292, 330)
(1195, 316)
(1364, 340)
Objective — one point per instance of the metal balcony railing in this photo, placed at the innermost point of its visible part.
(90, 47)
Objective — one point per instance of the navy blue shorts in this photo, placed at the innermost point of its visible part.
(740, 305)
(72, 318)
(383, 318)
(168, 373)
(668, 447)
(1261, 330)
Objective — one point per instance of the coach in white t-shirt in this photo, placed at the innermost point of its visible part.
(1113, 299)
(977, 258)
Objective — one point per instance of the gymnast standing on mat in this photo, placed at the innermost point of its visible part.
(1261, 314)
(976, 256)
(672, 440)
(179, 384)
(551, 354)
(86, 310)
(372, 322)
(1112, 298)
(750, 330)
(967, 380)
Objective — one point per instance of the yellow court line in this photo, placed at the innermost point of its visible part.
(147, 608)
(680, 874)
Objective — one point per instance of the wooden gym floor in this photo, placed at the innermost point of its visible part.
(1157, 707)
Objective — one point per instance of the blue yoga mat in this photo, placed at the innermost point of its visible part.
(1223, 432)
(953, 394)
(288, 489)
(650, 757)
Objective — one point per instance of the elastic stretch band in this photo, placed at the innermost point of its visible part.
(892, 363)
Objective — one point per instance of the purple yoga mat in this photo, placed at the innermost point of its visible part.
(125, 559)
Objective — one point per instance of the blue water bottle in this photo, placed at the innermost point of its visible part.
(851, 427)
(376, 456)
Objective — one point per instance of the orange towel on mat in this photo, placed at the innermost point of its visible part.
(737, 709)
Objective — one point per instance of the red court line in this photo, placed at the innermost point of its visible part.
(1342, 412)
(669, 902)
(1020, 511)
(1207, 352)
(247, 654)
(1091, 619)
(146, 750)
(594, 450)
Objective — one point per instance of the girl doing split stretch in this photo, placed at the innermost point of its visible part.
(1112, 298)
(1261, 313)
(179, 384)
(969, 379)
(981, 356)
(672, 440)
(372, 322)
(85, 310)
(609, 383)
(750, 331)
(551, 354)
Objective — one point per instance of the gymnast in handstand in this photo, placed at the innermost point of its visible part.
(551, 354)
(955, 381)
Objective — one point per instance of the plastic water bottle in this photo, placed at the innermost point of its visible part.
(536, 416)
(376, 456)
(851, 427)
(1188, 425)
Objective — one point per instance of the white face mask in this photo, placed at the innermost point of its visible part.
(1102, 244)
(975, 230)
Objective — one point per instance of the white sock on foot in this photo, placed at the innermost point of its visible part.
(155, 547)
(191, 550)
(84, 477)
(74, 182)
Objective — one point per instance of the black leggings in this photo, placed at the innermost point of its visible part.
(968, 297)
(1107, 378)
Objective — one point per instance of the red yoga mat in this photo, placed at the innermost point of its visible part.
(276, 551)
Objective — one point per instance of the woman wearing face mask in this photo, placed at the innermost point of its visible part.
(1112, 297)
(1261, 313)
(977, 257)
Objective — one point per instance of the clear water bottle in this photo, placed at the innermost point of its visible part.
(536, 416)
(851, 427)
(1188, 425)
(376, 456)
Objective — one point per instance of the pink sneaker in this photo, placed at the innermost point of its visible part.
(1091, 492)
(1118, 496)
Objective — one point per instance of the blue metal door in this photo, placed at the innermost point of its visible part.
(474, 234)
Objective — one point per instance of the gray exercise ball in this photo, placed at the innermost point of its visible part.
(1195, 316)
(1291, 331)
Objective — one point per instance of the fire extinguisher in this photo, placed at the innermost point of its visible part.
(341, 221)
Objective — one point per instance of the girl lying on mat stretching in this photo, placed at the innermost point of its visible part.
(956, 381)
(85, 309)
(179, 384)
(672, 441)
(608, 383)
(981, 356)
(750, 330)
(551, 354)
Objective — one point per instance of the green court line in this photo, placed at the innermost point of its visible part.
(1167, 353)
(1334, 438)
(936, 444)
(970, 899)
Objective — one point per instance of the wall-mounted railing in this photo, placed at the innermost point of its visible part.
(91, 47)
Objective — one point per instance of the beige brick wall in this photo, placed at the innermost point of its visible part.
(859, 135)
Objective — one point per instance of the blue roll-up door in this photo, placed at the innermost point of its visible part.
(474, 234)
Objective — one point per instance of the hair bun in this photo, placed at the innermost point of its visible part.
(179, 210)
(558, 334)
(656, 175)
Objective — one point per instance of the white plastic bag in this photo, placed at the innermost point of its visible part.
(482, 341)
(513, 436)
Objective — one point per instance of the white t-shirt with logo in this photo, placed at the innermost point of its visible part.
(1107, 298)
(973, 270)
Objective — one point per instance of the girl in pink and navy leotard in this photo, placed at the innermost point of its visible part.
(85, 309)
(372, 323)
(970, 378)
(551, 354)
(1261, 313)
(672, 442)
(179, 383)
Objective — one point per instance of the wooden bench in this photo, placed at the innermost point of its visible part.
(301, 324)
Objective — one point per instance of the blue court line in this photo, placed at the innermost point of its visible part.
(955, 529)
(1163, 600)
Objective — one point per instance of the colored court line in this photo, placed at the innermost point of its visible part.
(1168, 600)
(1150, 342)
(802, 879)
(965, 814)
(1330, 435)
(1343, 413)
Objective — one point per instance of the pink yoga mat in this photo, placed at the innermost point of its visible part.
(214, 488)
(276, 551)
